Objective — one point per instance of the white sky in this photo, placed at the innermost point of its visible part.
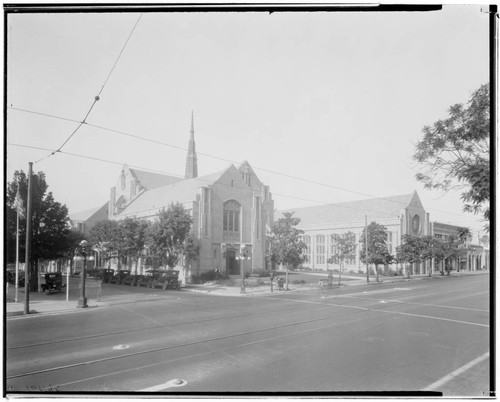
(336, 98)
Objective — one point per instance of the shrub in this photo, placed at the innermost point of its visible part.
(208, 276)
(299, 282)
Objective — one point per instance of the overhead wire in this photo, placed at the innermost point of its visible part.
(141, 138)
(96, 98)
(378, 213)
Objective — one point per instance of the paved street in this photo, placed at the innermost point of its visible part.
(409, 336)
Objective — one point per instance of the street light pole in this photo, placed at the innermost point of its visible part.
(83, 250)
(27, 260)
(241, 258)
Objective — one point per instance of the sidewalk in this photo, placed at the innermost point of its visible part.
(38, 308)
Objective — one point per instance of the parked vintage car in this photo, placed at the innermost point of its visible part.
(131, 280)
(52, 282)
(143, 280)
(11, 277)
(104, 274)
(118, 277)
(151, 278)
(167, 280)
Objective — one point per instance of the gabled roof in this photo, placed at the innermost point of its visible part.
(353, 211)
(161, 197)
(85, 215)
(151, 180)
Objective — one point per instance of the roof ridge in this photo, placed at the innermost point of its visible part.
(388, 198)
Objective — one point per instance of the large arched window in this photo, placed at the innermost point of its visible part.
(231, 220)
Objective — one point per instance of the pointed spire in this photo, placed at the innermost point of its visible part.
(192, 125)
(191, 160)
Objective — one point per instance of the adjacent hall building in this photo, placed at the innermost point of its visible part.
(230, 209)
(401, 214)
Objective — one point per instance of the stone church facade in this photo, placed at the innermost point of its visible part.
(231, 210)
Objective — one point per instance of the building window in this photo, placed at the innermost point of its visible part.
(320, 249)
(307, 252)
(333, 245)
(206, 208)
(257, 218)
(231, 220)
(389, 242)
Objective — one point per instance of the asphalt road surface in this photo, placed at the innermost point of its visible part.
(422, 335)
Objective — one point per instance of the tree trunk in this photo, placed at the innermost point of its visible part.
(340, 271)
(286, 280)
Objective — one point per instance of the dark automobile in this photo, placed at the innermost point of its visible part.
(151, 279)
(131, 279)
(118, 277)
(104, 274)
(11, 278)
(167, 279)
(52, 282)
(144, 280)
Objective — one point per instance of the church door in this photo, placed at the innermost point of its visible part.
(232, 267)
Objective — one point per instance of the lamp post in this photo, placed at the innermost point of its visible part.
(82, 251)
(242, 257)
(39, 279)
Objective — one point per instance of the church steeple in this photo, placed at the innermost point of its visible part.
(191, 160)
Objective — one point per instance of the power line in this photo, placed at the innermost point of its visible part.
(96, 98)
(236, 162)
(120, 55)
(326, 203)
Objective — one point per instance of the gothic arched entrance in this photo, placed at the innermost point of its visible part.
(232, 267)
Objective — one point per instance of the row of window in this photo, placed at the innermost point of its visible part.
(320, 248)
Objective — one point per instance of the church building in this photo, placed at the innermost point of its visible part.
(230, 210)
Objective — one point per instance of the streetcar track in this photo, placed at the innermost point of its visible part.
(209, 352)
(163, 348)
(169, 325)
(356, 295)
(359, 309)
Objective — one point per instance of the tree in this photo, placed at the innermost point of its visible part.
(345, 249)
(454, 153)
(409, 252)
(72, 242)
(133, 236)
(451, 250)
(377, 247)
(105, 237)
(432, 249)
(485, 240)
(49, 222)
(286, 243)
(170, 237)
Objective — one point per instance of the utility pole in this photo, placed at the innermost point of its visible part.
(27, 260)
(366, 250)
(17, 253)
